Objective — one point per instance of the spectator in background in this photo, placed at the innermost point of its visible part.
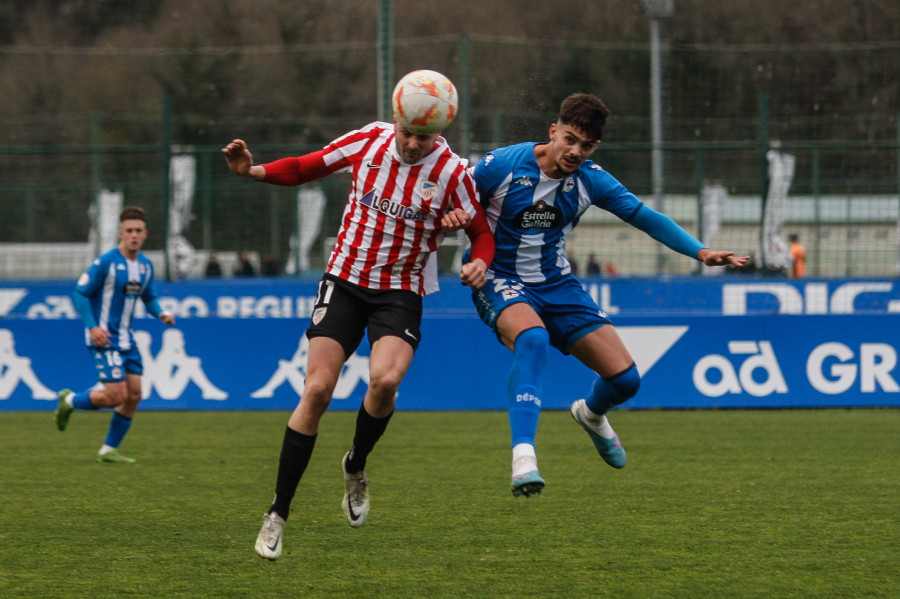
(243, 267)
(213, 268)
(270, 266)
(798, 257)
(610, 269)
(593, 267)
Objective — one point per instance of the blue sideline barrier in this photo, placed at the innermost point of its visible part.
(699, 342)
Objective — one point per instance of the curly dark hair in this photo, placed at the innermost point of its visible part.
(585, 112)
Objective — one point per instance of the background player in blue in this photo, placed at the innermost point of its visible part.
(105, 297)
(533, 195)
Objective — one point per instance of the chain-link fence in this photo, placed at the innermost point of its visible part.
(50, 224)
(726, 110)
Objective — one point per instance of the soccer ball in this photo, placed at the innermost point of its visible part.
(424, 102)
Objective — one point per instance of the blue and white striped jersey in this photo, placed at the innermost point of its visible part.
(113, 284)
(530, 213)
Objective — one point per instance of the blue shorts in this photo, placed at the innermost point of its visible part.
(568, 311)
(112, 364)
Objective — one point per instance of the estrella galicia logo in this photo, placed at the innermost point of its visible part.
(132, 288)
(539, 216)
(394, 209)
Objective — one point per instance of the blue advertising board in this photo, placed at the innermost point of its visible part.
(699, 342)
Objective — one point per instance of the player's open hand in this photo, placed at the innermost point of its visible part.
(472, 273)
(720, 258)
(238, 157)
(455, 220)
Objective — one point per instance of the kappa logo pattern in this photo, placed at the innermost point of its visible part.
(16, 369)
(293, 372)
(232, 344)
(172, 369)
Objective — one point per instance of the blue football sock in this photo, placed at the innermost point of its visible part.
(608, 393)
(118, 427)
(525, 385)
(82, 401)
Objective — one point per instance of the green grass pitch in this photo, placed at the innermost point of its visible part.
(718, 504)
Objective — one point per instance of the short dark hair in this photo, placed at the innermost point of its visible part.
(585, 112)
(132, 213)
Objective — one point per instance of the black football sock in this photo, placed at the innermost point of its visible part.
(296, 449)
(368, 430)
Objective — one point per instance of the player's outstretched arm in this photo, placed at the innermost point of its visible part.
(667, 231)
(240, 160)
(721, 258)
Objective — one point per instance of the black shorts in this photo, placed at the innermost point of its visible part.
(344, 311)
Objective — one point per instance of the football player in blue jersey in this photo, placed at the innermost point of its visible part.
(105, 297)
(533, 195)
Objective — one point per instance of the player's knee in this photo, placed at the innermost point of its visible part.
(531, 348)
(385, 384)
(317, 390)
(115, 397)
(624, 385)
(133, 398)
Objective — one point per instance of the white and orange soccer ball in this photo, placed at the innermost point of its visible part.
(425, 101)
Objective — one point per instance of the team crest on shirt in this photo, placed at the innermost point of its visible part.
(318, 315)
(568, 185)
(428, 190)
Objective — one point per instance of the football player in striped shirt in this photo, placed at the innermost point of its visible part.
(533, 195)
(105, 297)
(408, 189)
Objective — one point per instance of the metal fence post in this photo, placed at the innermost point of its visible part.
(166, 187)
(385, 60)
(763, 142)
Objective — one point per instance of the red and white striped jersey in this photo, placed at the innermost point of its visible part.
(388, 229)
